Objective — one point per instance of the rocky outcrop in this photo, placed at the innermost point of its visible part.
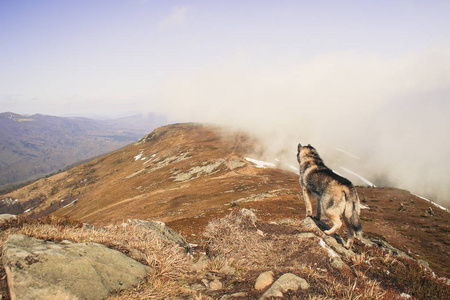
(164, 232)
(38, 269)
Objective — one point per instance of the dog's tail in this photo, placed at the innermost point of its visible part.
(352, 211)
(354, 220)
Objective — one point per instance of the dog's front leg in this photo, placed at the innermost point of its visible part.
(307, 199)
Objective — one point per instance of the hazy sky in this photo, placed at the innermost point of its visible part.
(111, 56)
(369, 76)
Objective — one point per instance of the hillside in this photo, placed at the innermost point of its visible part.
(188, 174)
(32, 146)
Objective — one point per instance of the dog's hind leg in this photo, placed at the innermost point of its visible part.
(337, 223)
(350, 233)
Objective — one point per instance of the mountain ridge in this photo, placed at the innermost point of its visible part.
(36, 145)
(188, 174)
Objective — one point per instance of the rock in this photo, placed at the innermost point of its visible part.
(205, 282)
(198, 287)
(285, 283)
(317, 228)
(239, 295)
(215, 285)
(227, 270)
(247, 216)
(306, 235)
(166, 233)
(338, 263)
(6, 217)
(264, 280)
(38, 269)
(200, 264)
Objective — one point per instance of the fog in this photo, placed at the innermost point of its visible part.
(385, 118)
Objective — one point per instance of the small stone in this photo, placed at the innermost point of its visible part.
(227, 270)
(197, 287)
(205, 282)
(200, 264)
(264, 280)
(239, 295)
(215, 285)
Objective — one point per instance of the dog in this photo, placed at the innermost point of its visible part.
(336, 196)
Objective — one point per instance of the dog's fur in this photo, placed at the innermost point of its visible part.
(336, 196)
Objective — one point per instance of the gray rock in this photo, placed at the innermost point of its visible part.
(264, 280)
(38, 269)
(285, 283)
(166, 233)
(331, 241)
(338, 263)
(6, 217)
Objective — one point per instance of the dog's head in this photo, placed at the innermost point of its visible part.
(304, 152)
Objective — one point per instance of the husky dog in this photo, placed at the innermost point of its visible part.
(336, 196)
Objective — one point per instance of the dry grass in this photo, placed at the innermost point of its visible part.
(234, 240)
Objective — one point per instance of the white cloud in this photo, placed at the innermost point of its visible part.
(384, 107)
(177, 17)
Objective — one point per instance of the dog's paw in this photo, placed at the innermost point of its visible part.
(309, 215)
(328, 232)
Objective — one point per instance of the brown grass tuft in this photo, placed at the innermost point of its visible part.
(233, 240)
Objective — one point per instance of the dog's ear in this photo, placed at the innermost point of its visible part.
(299, 146)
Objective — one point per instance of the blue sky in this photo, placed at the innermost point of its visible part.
(358, 75)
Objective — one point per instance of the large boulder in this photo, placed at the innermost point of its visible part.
(164, 232)
(38, 269)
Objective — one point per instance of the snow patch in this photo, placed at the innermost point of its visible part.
(138, 156)
(73, 202)
(151, 158)
(260, 163)
(406, 296)
(435, 204)
(359, 176)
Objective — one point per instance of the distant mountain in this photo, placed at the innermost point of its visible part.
(188, 174)
(32, 146)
